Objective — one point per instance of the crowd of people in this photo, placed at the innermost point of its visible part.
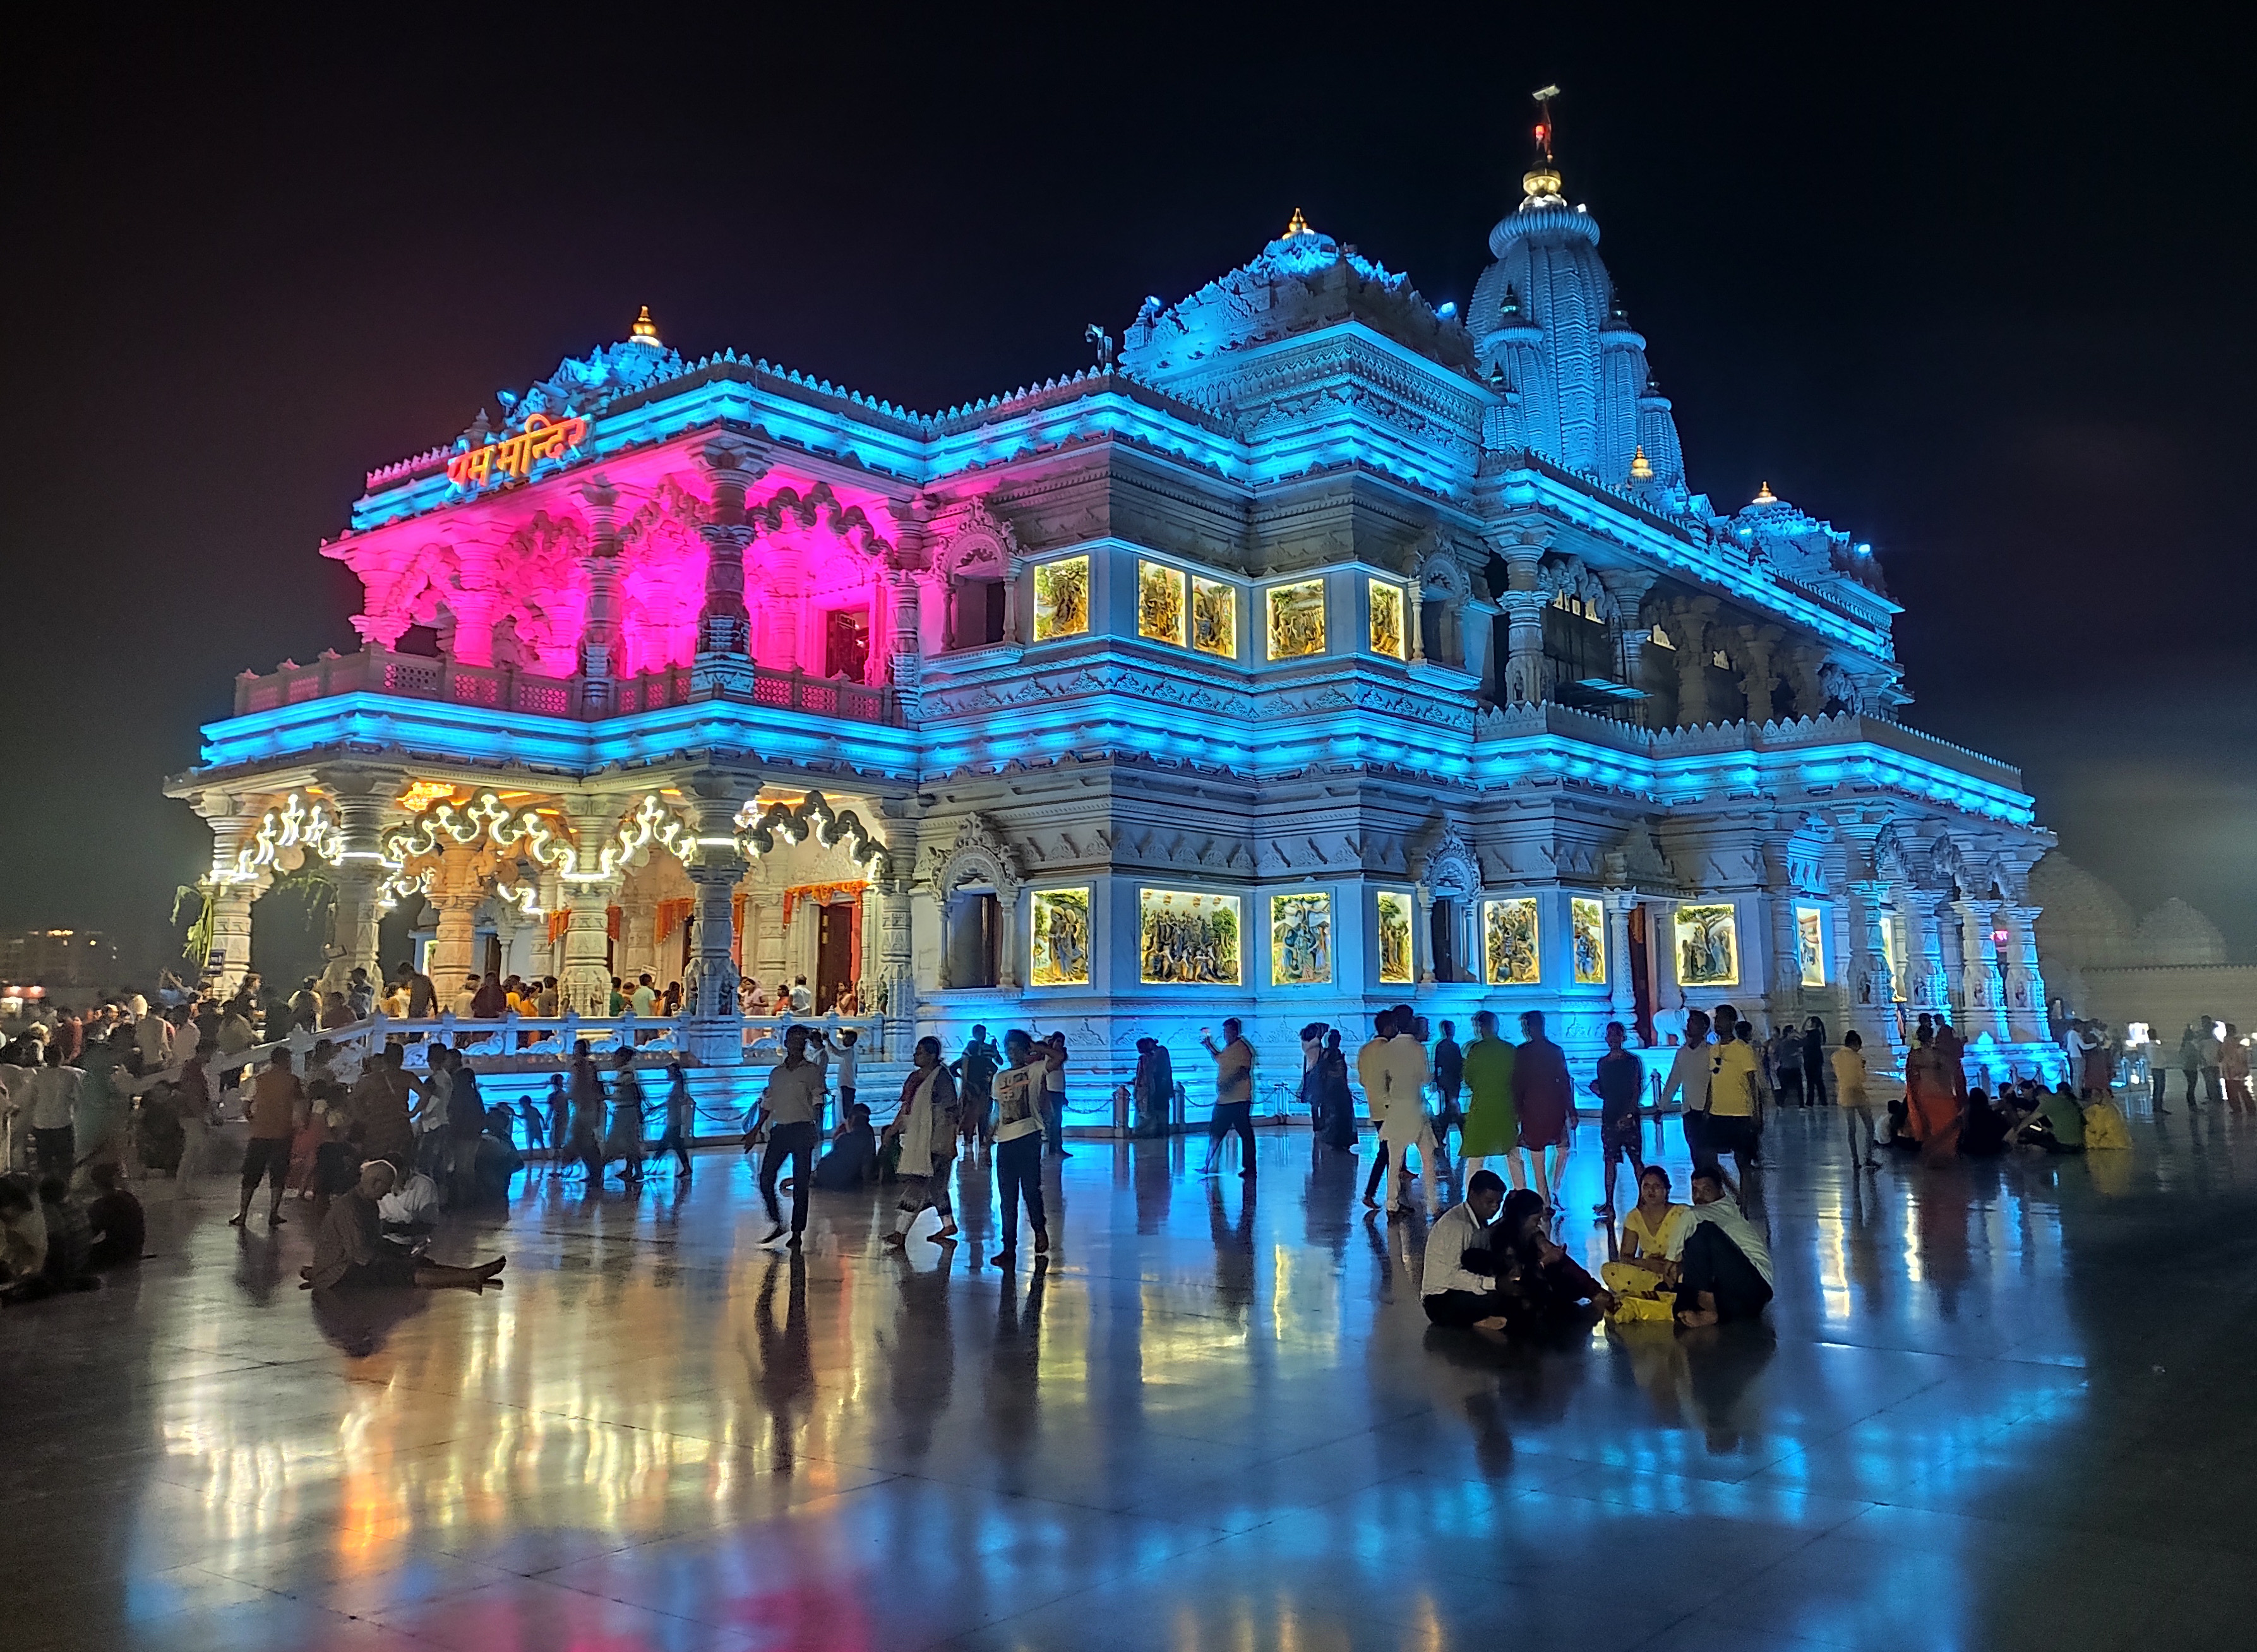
(377, 1151)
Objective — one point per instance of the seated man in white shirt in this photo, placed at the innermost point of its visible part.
(1457, 1286)
(1724, 1271)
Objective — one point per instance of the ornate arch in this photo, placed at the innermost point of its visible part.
(981, 545)
(757, 830)
(295, 824)
(978, 850)
(788, 508)
(1448, 866)
(1563, 574)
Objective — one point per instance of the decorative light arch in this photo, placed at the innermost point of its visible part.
(757, 830)
(296, 824)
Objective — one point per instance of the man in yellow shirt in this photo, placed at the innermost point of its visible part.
(1733, 1080)
(1849, 1091)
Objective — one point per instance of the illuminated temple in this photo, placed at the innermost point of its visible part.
(1320, 648)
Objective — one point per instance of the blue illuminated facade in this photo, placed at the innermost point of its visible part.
(1320, 651)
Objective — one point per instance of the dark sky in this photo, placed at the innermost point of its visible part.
(1982, 298)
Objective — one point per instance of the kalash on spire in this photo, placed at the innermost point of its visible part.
(1540, 183)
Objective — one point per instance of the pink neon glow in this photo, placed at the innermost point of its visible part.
(506, 575)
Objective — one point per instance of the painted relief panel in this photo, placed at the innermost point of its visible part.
(1058, 953)
(1214, 618)
(1509, 937)
(1708, 947)
(1297, 619)
(1587, 921)
(1387, 620)
(1811, 944)
(1301, 939)
(1160, 607)
(1061, 598)
(1186, 938)
(1394, 938)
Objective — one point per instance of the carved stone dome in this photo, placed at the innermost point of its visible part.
(1549, 331)
(2175, 933)
(2083, 923)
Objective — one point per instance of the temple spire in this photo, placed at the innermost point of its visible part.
(1540, 183)
(1298, 226)
(644, 331)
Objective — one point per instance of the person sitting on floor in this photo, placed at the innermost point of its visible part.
(498, 1160)
(853, 1156)
(1653, 1234)
(119, 1225)
(69, 1240)
(351, 1254)
(1457, 1285)
(2104, 1128)
(2058, 1124)
(1540, 1284)
(1984, 1132)
(23, 1235)
(1724, 1270)
(410, 1208)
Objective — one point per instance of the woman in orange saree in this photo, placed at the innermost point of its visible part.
(1931, 1097)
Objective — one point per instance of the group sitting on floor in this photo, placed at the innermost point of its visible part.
(51, 1242)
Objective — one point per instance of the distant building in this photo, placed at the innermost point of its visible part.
(2167, 969)
(59, 957)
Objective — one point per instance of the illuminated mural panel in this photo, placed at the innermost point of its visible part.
(1708, 947)
(1395, 968)
(1387, 620)
(1509, 937)
(1061, 598)
(1297, 619)
(1301, 939)
(1214, 617)
(1587, 925)
(1811, 944)
(1160, 605)
(1186, 938)
(1058, 952)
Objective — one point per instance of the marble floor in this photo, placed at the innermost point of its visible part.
(1998, 1405)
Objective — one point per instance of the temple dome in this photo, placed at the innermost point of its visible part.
(2176, 933)
(2083, 923)
(1548, 330)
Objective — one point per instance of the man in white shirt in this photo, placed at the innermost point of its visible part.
(1018, 1145)
(1688, 1081)
(803, 1000)
(1403, 1063)
(790, 1105)
(54, 1106)
(152, 1038)
(1724, 1271)
(466, 1001)
(1371, 1073)
(1457, 1284)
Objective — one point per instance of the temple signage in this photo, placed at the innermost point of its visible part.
(513, 455)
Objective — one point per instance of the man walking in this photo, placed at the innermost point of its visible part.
(1544, 1095)
(975, 1077)
(793, 1094)
(1403, 1073)
(1019, 1146)
(1449, 1076)
(1234, 1095)
(55, 1108)
(277, 1101)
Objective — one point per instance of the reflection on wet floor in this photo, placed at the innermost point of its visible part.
(1997, 1404)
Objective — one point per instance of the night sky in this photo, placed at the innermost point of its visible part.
(1981, 300)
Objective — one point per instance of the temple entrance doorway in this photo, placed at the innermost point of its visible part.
(1641, 977)
(971, 936)
(838, 951)
(490, 964)
(1442, 930)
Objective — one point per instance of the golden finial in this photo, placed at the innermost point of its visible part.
(1641, 468)
(644, 331)
(1765, 496)
(1541, 181)
(1298, 226)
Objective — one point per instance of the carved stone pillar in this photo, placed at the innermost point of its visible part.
(455, 893)
(230, 935)
(599, 632)
(1417, 622)
(1622, 990)
(907, 658)
(1872, 985)
(724, 660)
(584, 985)
(896, 970)
(1931, 982)
(709, 984)
(1982, 982)
(1422, 934)
(1689, 629)
(2024, 978)
(1758, 681)
(361, 799)
(638, 946)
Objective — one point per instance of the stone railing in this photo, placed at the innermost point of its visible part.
(376, 669)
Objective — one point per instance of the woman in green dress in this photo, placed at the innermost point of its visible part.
(1491, 1126)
